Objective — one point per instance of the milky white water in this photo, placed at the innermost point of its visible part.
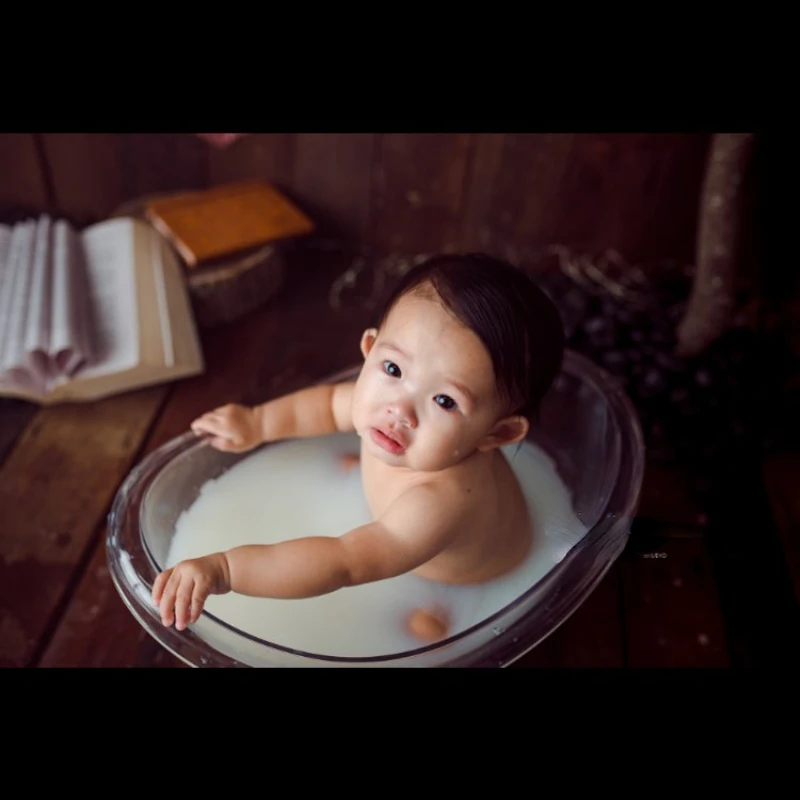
(298, 488)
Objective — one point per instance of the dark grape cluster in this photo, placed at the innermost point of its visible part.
(690, 409)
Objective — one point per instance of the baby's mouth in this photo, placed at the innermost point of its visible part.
(383, 438)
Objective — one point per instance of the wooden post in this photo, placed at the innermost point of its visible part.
(712, 297)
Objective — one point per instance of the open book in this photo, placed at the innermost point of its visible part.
(90, 314)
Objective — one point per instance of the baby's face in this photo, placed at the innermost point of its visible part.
(426, 396)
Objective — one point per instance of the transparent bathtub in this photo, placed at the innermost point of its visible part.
(588, 427)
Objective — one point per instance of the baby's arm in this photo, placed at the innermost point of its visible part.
(417, 526)
(315, 411)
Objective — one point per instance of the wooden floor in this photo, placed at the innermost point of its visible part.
(696, 587)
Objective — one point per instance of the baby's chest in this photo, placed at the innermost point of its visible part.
(381, 484)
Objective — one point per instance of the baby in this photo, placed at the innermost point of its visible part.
(456, 369)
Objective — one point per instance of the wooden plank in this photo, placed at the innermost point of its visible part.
(667, 496)
(14, 416)
(782, 481)
(418, 188)
(671, 614)
(592, 638)
(482, 192)
(86, 174)
(295, 340)
(755, 584)
(265, 156)
(161, 162)
(24, 184)
(594, 186)
(663, 198)
(85, 634)
(55, 486)
(637, 193)
(543, 656)
(332, 179)
(620, 191)
(516, 181)
(151, 655)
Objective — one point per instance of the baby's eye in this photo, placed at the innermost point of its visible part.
(447, 403)
(390, 368)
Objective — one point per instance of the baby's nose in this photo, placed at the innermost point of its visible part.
(403, 412)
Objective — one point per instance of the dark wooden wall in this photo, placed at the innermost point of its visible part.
(402, 193)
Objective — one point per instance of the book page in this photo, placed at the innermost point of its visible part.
(157, 259)
(111, 276)
(14, 311)
(187, 350)
(5, 241)
(71, 314)
(21, 384)
(5, 271)
(37, 321)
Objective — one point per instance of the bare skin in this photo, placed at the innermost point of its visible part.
(445, 503)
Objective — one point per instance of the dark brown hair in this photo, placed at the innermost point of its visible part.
(516, 321)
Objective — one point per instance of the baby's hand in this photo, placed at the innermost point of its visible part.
(181, 592)
(233, 428)
(430, 626)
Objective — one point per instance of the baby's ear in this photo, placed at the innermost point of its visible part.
(508, 430)
(367, 340)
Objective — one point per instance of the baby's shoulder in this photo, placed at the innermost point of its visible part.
(431, 505)
(457, 489)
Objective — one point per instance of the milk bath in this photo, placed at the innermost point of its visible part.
(298, 488)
